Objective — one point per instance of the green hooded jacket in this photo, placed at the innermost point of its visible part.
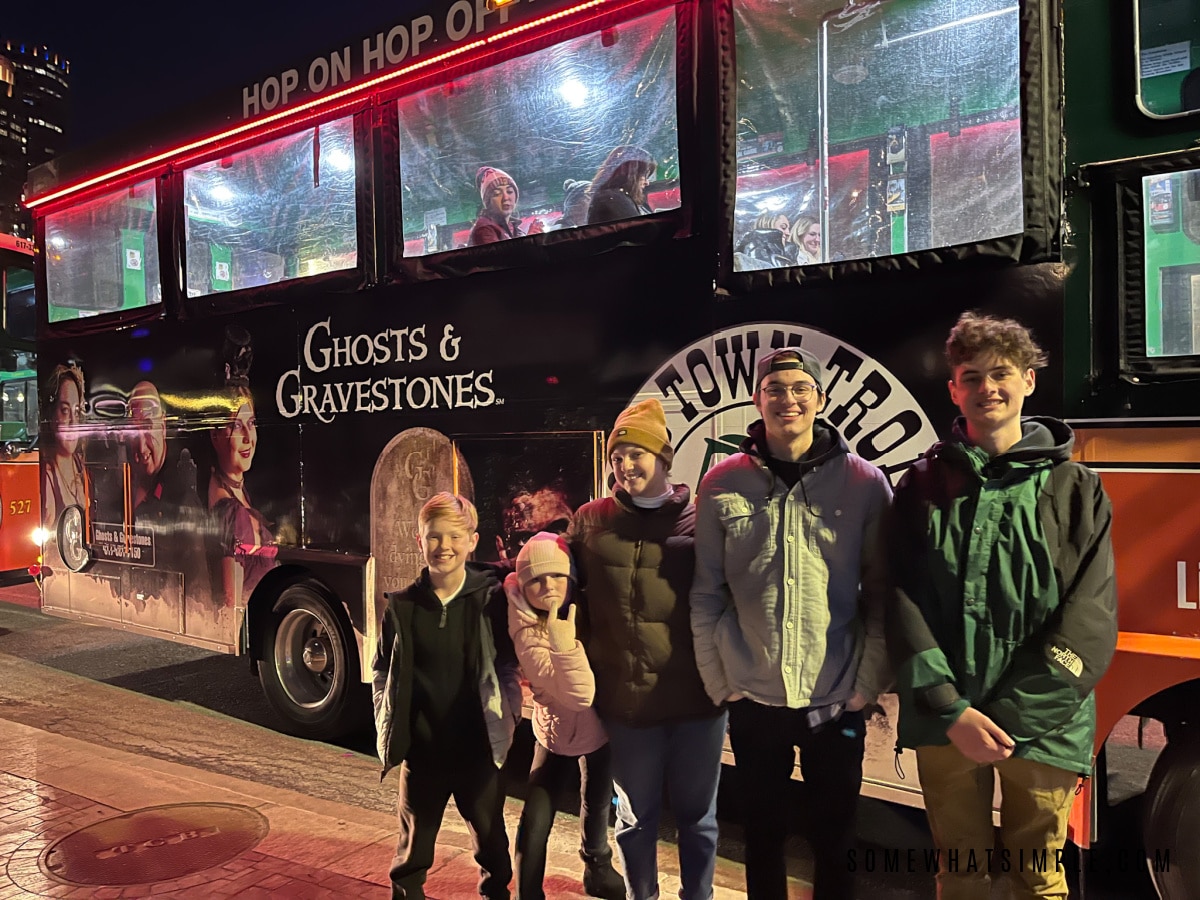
(1004, 593)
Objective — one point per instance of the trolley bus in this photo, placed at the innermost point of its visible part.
(287, 333)
(19, 505)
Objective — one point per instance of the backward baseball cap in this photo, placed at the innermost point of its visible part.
(789, 358)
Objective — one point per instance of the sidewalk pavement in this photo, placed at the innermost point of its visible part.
(83, 820)
(53, 786)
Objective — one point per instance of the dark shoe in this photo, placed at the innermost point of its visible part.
(600, 879)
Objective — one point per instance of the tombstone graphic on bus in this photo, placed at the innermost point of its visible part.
(520, 484)
(416, 464)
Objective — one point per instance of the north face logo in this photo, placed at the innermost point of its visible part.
(1069, 660)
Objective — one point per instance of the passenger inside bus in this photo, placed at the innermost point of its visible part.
(766, 245)
(498, 219)
(805, 235)
(575, 204)
(619, 188)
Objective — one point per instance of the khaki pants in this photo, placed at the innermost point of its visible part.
(1035, 802)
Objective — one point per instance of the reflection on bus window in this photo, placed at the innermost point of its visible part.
(1168, 36)
(282, 210)
(1172, 239)
(102, 256)
(890, 128)
(547, 121)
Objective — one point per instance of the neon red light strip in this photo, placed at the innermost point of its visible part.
(325, 104)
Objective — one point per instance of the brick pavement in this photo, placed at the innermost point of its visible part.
(52, 785)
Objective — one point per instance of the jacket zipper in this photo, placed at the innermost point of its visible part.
(637, 559)
(442, 620)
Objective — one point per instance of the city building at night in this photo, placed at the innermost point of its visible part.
(34, 103)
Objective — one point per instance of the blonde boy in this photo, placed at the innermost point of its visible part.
(447, 699)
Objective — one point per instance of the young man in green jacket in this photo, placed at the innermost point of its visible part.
(1003, 619)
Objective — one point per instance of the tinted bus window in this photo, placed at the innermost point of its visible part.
(1168, 36)
(1172, 266)
(19, 410)
(282, 210)
(545, 124)
(876, 129)
(20, 311)
(102, 256)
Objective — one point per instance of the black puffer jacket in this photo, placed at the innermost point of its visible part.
(636, 571)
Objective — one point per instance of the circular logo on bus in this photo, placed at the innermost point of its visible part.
(707, 392)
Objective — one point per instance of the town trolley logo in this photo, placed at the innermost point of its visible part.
(707, 391)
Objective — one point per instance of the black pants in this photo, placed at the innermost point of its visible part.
(426, 785)
(764, 739)
(547, 778)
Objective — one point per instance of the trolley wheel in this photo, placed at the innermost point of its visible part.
(310, 670)
(1172, 817)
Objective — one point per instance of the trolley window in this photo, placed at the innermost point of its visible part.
(875, 129)
(102, 255)
(1168, 57)
(20, 310)
(279, 211)
(1172, 263)
(516, 148)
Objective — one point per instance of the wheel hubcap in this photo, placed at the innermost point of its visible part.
(316, 656)
(307, 660)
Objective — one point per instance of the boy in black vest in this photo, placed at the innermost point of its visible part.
(447, 699)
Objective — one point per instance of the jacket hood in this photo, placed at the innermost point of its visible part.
(421, 589)
(827, 443)
(1043, 439)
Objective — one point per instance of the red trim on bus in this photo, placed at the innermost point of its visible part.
(321, 106)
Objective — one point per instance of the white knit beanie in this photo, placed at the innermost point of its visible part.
(488, 176)
(543, 554)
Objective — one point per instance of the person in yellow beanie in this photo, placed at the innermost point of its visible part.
(635, 559)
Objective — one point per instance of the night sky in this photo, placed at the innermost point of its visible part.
(129, 65)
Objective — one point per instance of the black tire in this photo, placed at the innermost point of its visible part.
(1172, 817)
(309, 670)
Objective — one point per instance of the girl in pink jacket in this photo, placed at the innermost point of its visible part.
(567, 729)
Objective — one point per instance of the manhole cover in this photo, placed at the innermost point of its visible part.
(159, 843)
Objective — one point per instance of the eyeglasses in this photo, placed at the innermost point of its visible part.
(144, 409)
(801, 391)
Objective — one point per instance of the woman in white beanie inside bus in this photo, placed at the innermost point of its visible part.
(498, 219)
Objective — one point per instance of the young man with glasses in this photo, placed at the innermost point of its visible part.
(787, 616)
